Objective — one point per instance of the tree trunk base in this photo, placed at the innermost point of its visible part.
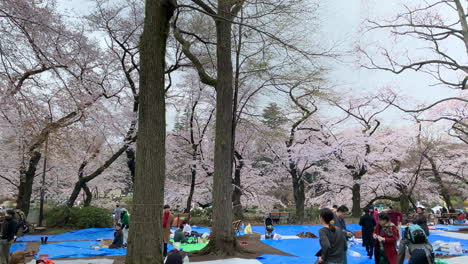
(222, 248)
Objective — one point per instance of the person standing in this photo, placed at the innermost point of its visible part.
(332, 241)
(421, 220)
(125, 219)
(368, 225)
(8, 231)
(415, 242)
(376, 215)
(396, 217)
(386, 236)
(334, 208)
(168, 218)
(117, 214)
(339, 221)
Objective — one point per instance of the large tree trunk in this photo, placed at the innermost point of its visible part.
(237, 192)
(299, 198)
(356, 211)
(146, 234)
(223, 239)
(26, 182)
(404, 204)
(443, 189)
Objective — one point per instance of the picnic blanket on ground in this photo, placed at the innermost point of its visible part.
(18, 246)
(77, 250)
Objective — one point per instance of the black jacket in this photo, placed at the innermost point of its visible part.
(8, 228)
(368, 225)
(421, 220)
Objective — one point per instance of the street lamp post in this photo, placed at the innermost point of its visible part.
(44, 167)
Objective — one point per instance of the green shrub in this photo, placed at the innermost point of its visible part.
(80, 217)
(55, 216)
(200, 221)
(87, 217)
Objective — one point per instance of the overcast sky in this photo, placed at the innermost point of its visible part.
(340, 21)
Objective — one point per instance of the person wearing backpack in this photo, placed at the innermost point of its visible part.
(415, 241)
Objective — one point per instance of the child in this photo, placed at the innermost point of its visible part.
(386, 235)
(420, 250)
(118, 237)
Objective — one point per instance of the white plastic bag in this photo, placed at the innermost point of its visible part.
(353, 253)
(455, 248)
(276, 237)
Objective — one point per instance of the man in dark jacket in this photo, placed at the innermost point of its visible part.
(368, 225)
(340, 222)
(8, 231)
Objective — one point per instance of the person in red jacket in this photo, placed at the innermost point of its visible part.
(396, 217)
(386, 236)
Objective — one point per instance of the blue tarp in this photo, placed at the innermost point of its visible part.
(292, 230)
(449, 227)
(18, 246)
(83, 234)
(305, 250)
(77, 250)
(87, 234)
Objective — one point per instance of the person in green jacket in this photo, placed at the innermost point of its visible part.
(125, 221)
(179, 235)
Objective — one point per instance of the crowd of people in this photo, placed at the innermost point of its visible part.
(380, 236)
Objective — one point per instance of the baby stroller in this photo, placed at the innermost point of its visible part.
(269, 228)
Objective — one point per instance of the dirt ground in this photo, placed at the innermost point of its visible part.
(254, 248)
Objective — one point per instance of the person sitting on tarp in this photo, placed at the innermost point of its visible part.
(118, 237)
(187, 229)
(420, 250)
(269, 228)
(179, 235)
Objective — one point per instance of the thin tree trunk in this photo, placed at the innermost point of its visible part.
(193, 169)
(26, 182)
(88, 195)
(237, 192)
(131, 162)
(146, 233)
(464, 24)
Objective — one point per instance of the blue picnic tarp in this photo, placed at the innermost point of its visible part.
(304, 251)
(77, 250)
(18, 246)
(78, 235)
(292, 230)
(449, 227)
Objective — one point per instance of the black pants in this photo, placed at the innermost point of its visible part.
(165, 250)
(370, 250)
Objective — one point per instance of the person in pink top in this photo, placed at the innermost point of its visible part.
(376, 214)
